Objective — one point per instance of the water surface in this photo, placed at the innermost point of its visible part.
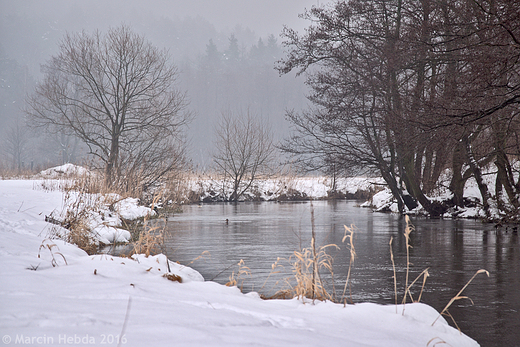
(213, 238)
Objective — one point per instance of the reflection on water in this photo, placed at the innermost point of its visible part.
(453, 250)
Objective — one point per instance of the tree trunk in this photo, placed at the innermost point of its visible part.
(414, 188)
(394, 188)
(505, 175)
(112, 162)
(478, 177)
(457, 181)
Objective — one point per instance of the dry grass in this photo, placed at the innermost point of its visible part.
(148, 242)
(176, 190)
(72, 225)
(80, 206)
(81, 199)
(349, 235)
(407, 231)
(437, 341)
(150, 235)
(88, 182)
(306, 264)
(393, 268)
(240, 275)
(459, 297)
(54, 251)
(150, 239)
(202, 256)
(7, 172)
(173, 277)
(306, 267)
(86, 196)
(275, 269)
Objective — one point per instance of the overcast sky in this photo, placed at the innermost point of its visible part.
(31, 29)
(262, 16)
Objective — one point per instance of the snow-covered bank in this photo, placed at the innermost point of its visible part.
(209, 189)
(383, 201)
(101, 214)
(370, 189)
(102, 299)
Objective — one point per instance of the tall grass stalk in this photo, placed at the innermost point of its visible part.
(407, 231)
(393, 267)
(234, 279)
(426, 274)
(349, 235)
(203, 255)
(151, 239)
(50, 246)
(313, 248)
(274, 270)
(458, 297)
(306, 266)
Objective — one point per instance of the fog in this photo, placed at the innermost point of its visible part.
(30, 31)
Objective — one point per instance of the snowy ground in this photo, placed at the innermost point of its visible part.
(209, 188)
(384, 201)
(103, 300)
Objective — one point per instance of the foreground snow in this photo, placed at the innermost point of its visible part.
(102, 299)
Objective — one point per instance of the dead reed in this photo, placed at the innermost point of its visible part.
(150, 238)
(459, 297)
(275, 269)
(393, 268)
(234, 279)
(306, 265)
(149, 241)
(349, 235)
(54, 251)
(407, 231)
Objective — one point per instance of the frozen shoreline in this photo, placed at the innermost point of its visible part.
(368, 189)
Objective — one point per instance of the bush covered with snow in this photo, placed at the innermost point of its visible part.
(63, 171)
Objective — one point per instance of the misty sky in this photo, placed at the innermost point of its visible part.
(31, 29)
(262, 16)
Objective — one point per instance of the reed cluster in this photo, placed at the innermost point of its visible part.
(307, 264)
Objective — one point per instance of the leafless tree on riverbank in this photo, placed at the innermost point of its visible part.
(244, 150)
(117, 93)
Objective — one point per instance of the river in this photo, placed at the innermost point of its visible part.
(213, 238)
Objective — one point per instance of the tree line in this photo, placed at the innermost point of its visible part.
(119, 95)
(410, 91)
(230, 73)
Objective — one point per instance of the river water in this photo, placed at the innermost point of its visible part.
(213, 238)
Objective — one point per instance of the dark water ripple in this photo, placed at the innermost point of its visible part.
(453, 250)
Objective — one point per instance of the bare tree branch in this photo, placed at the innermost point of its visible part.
(117, 93)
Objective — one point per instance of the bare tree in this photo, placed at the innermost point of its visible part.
(16, 145)
(117, 93)
(243, 150)
(355, 67)
(400, 87)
